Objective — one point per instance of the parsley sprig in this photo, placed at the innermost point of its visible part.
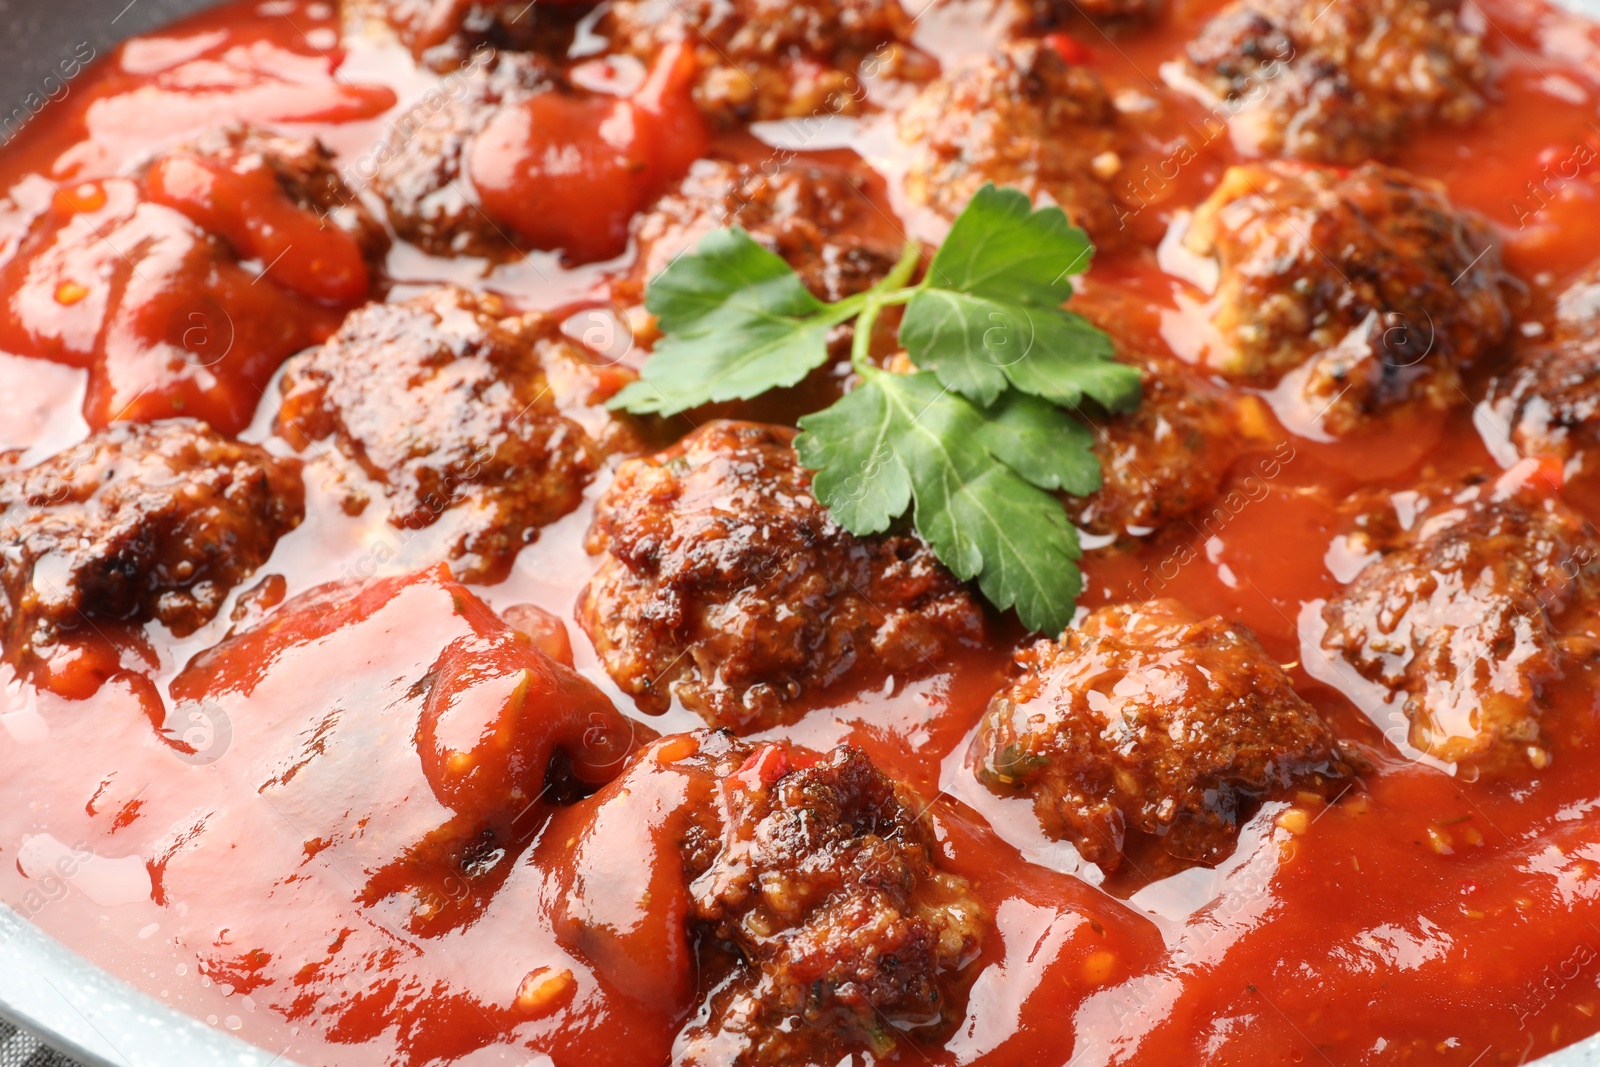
(974, 443)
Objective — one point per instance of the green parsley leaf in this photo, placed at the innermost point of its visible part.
(736, 321)
(906, 439)
(989, 312)
(975, 445)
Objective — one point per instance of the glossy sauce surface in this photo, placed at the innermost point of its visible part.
(1421, 918)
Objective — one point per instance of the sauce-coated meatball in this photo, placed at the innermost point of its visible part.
(724, 583)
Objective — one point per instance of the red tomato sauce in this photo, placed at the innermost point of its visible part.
(1420, 918)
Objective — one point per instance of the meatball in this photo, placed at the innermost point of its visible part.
(1550, 397)
(1041, 16)
(761, 60)
(1458, 621)
(443, 34)
(1024, 117)
(1165, 459)
(1337, 82)
(724, 584)
(1366, 285)
(448, 409)
(810, 886)
(138, 522)
(817, 218)
(420, 172)
(1150, 721)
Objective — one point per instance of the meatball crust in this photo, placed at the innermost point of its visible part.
(818, 219)
(809, 887)
(761, 60)
(825, 883)
(1042, 16)
(724, 584)
(1338, 82)
(1367, 285)
(449, 409)
(139, 521)
(1164, 460)
(421, 171)
(1550, 397)
(1462, 619)
(1022, 117)
(443, 34)
(1149, 720)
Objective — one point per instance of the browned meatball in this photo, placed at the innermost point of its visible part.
(304, 170)
(1165, 459)
(810, 887)
(449, 410)
(1550, 398)
(724, 584)
(420, 171)
(1367, 285)
(1337, 82)
(443, 34)
(1042, 16)
(817, 218)
(1460, 620)
(768, 59)
(1021, 117)
(1150, 721)
(140, 521)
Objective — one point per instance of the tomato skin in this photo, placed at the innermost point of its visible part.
(499, 713)
(176, 326)
(306, 254)
(544, 628)
(569, 172)
(606, 859)
(1069, 48)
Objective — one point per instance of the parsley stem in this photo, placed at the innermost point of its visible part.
(892, 291)
(904, 267)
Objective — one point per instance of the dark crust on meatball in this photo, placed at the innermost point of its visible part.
(1021, 117)
(826, 887)
(723, 583)
(1462, 619)
(809, 892)
(305, 171)
(1550, 397)
(139, 521)
(1338, 82)
(1367, 284)
(817, 218)
(1039, 17)
(761, 60)
(444, 34)
(448, 407)
(1148, 720)
(1164, 460)
(421, 170)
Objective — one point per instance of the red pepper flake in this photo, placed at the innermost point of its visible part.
(1068, 48)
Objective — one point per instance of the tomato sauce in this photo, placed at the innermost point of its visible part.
(1420, 917)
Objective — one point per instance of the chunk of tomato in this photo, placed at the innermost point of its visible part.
(569, 172)
(250, 210)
